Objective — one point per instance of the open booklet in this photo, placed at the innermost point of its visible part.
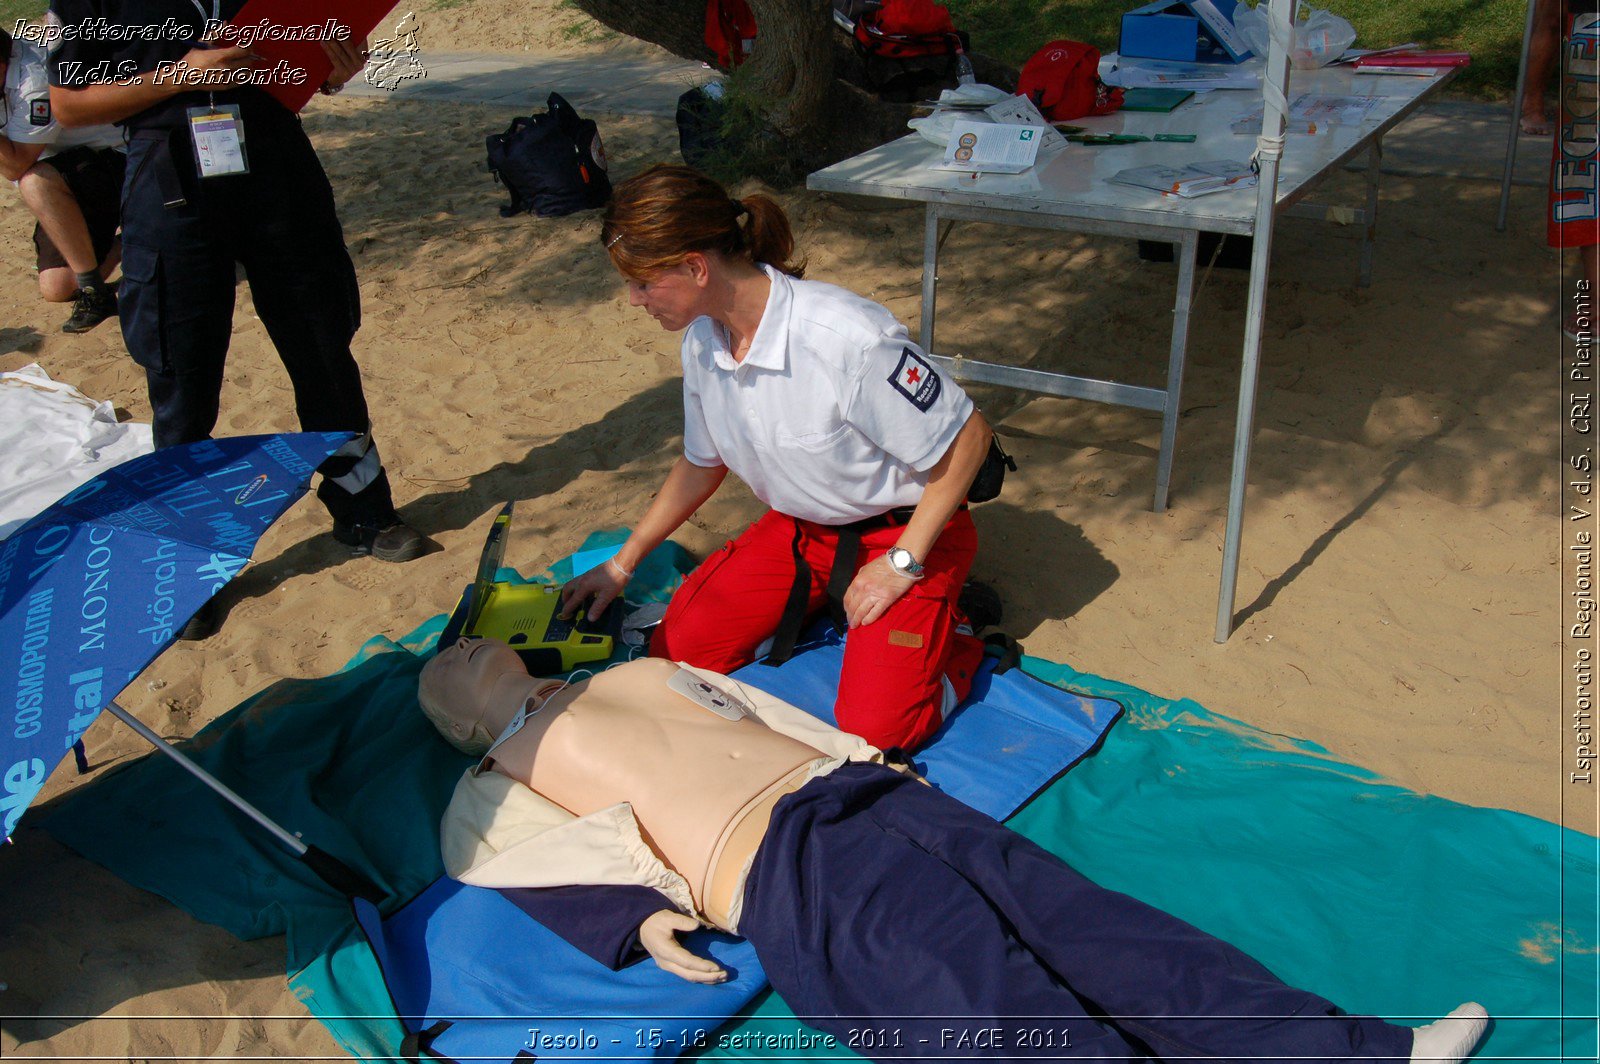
(1191, 180)
(1005, 138)
(990, 148)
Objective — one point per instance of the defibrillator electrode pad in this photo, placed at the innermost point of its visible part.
(709, 696)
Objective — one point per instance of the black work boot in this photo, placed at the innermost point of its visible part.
(90, 307)
(394, 541)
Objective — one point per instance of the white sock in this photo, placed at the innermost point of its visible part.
(1451, 1038)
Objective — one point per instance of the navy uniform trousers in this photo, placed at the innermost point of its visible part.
(875, 896)
(907, 924)
(181, 237)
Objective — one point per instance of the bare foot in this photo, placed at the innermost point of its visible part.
(1535, 124)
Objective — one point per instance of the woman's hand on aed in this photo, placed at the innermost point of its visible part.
(659, 936)
(876, 587)
(599, 587)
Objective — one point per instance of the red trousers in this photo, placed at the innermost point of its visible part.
(891, 689)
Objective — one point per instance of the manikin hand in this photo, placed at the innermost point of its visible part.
(876, 587)
(659, 935)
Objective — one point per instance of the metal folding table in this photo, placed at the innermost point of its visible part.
(1069, 191)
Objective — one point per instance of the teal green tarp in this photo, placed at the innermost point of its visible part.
(1382, 900)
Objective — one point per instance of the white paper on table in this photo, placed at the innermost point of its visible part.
(1312, 113)
(1191, 179)
(987, 148)
(1020, 111)
(1130, 73)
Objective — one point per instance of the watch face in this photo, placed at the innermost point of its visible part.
(902, 560)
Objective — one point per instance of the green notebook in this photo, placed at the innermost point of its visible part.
(1153, 99)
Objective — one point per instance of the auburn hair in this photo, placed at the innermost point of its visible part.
(657, 218)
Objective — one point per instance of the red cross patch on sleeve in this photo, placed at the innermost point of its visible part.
(915, 379)
(39, 111)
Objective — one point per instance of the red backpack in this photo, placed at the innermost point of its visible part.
(1063, 81)
(905, 29)
(730, 31)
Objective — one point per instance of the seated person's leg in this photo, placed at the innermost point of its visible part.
(906, 670)
(57, 284)
(76, 198)
(734, 600)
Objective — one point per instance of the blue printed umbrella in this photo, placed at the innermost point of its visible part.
(96, 586)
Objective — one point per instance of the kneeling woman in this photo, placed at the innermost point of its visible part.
(819, 401)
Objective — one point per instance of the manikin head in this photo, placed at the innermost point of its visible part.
(673, 233)
(473, 690)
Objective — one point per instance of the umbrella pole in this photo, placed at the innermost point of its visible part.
(292, 844)
(332, 871)
(1269, 149)
(1516, 118)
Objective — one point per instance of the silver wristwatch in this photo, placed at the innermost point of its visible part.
(902, 562)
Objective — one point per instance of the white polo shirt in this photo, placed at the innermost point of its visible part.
(833, 416)
(26, 110)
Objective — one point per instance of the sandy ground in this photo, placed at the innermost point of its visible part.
(1399, 582)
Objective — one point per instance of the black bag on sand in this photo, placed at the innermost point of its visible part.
(552, 164)
(700, 125)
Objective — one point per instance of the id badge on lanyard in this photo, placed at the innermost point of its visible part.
(218, 137)
(217, 133)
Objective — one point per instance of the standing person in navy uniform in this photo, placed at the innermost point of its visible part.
(186, 223)
(818, 400)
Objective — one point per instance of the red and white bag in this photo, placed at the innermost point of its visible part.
(730, 31)
(906, 29)
(1063, 81)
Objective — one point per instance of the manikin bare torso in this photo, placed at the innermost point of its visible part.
(624, 736)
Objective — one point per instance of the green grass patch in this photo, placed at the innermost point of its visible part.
(580, 28)
(1491, 30)
(11, 10)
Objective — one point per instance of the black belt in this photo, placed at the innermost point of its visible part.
(839, 577)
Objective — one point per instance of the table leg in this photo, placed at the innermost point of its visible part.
(1181, 307)
(1370, 233)
(930, 274)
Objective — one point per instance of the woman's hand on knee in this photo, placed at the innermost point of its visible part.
(876, 587)
(599, 586)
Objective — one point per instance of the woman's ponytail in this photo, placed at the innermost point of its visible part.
(767, 235)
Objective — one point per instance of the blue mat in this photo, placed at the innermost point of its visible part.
(469, 956)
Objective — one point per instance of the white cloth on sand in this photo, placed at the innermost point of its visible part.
(53, 438)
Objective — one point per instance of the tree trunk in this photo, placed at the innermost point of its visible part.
(803, 78)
